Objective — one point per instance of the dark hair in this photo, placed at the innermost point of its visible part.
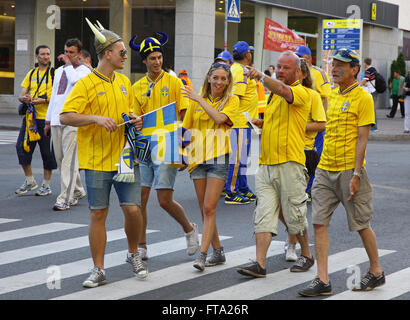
(74, 43)
(85, 53)
(355, 64)
(272, 66)
(307, 81)
(237, 56)
(368, 61)
(42, 46)
(267, 72)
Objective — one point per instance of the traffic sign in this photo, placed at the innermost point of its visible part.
(233, 14)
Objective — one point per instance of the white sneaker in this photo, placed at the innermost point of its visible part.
(290, 251)
(192, 240)
(143, 253)
(140, 268)
(96, 278)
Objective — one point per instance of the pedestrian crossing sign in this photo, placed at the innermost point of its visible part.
(233, 14)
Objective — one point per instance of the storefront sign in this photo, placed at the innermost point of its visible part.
(279, 38)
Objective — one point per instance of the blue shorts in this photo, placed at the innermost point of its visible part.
(99, 184)
(218, 169)
(162, 175)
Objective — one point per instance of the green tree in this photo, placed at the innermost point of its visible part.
(401, 64)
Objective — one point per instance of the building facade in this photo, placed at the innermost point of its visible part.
(195, 29)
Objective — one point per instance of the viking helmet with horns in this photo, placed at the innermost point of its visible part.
(149, 45)
(103, 38)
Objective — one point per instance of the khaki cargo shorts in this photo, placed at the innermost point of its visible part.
(332, 187)
(283, 184)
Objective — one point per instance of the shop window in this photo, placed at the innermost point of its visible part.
(7, 34)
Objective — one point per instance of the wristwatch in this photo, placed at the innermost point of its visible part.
(357, 174)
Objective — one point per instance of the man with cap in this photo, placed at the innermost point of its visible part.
(225, 57)
(341, 176)
(157, 89)
(237, 189)
(95, 105)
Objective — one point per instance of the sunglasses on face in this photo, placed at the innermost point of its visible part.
(150, 86)
(347, 54)
(122, 53)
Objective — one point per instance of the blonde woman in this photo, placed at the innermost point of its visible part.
(208, 121)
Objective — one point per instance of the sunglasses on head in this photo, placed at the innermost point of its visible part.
(220, 65)
(348, 54)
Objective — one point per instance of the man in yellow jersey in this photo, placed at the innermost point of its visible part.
(37, 87)
(95, 105)
(236, 188)
(341, 176)
(155, 90)
(281, 178)
(321, 84)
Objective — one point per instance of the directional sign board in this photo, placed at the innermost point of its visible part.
(233, 13)
(339, 34)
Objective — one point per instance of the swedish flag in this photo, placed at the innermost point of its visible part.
(162, 129)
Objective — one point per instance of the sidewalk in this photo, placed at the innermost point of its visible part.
(388, 129)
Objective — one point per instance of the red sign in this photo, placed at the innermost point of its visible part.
(279, 38)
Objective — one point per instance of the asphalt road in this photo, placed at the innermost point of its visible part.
(33, 239)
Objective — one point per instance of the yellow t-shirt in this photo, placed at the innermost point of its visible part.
(248, 95)
(283, 131)
(45, 88)
(346, 112)
(317, 113)
(95, 94)
(208, 139)
(321, 82)
(166, 89)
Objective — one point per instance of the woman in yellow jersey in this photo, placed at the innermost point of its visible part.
(208, 120)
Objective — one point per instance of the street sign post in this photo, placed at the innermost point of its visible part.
(232, 14)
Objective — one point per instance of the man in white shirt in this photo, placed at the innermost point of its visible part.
(64, 138)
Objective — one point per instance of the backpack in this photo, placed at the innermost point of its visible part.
(380, 83)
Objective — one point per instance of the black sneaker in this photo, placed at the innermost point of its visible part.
(303, 264)
(317, 288)
(253, 270)
(370, 281)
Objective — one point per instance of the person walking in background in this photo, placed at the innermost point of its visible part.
(36, 92)
(397, 94)
(225, 57)
(237, 189)
(211, 115)
(183, 75)
(406, 89)
(170, 71)
(64, 138)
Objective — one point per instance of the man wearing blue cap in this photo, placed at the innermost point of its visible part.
(237, 190)
(341, 176)
(225, 57)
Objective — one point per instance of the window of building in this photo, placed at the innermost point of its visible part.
(7, 34)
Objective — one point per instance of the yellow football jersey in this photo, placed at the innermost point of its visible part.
(321, 82)
(248, 95)
(151, 95)
(209, 140)
(283, 131)
(95, 94)
(45, 88)
(317, 113)
(346, 112)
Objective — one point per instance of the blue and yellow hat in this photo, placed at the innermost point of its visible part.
(149, 45)
(346, 55)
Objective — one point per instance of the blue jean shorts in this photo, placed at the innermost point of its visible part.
(218, 169)
(162, 175)
(99, 185)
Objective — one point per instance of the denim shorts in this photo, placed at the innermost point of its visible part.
(162, 175)
(218, 169)
(99, 184)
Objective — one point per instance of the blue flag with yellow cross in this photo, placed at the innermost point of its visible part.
(162, 129)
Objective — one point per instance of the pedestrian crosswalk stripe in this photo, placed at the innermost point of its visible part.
(76, 268)
(55, 247)
(397, 283)
(3, 220)
(161, 278)
(37, 230)
(278, 281)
